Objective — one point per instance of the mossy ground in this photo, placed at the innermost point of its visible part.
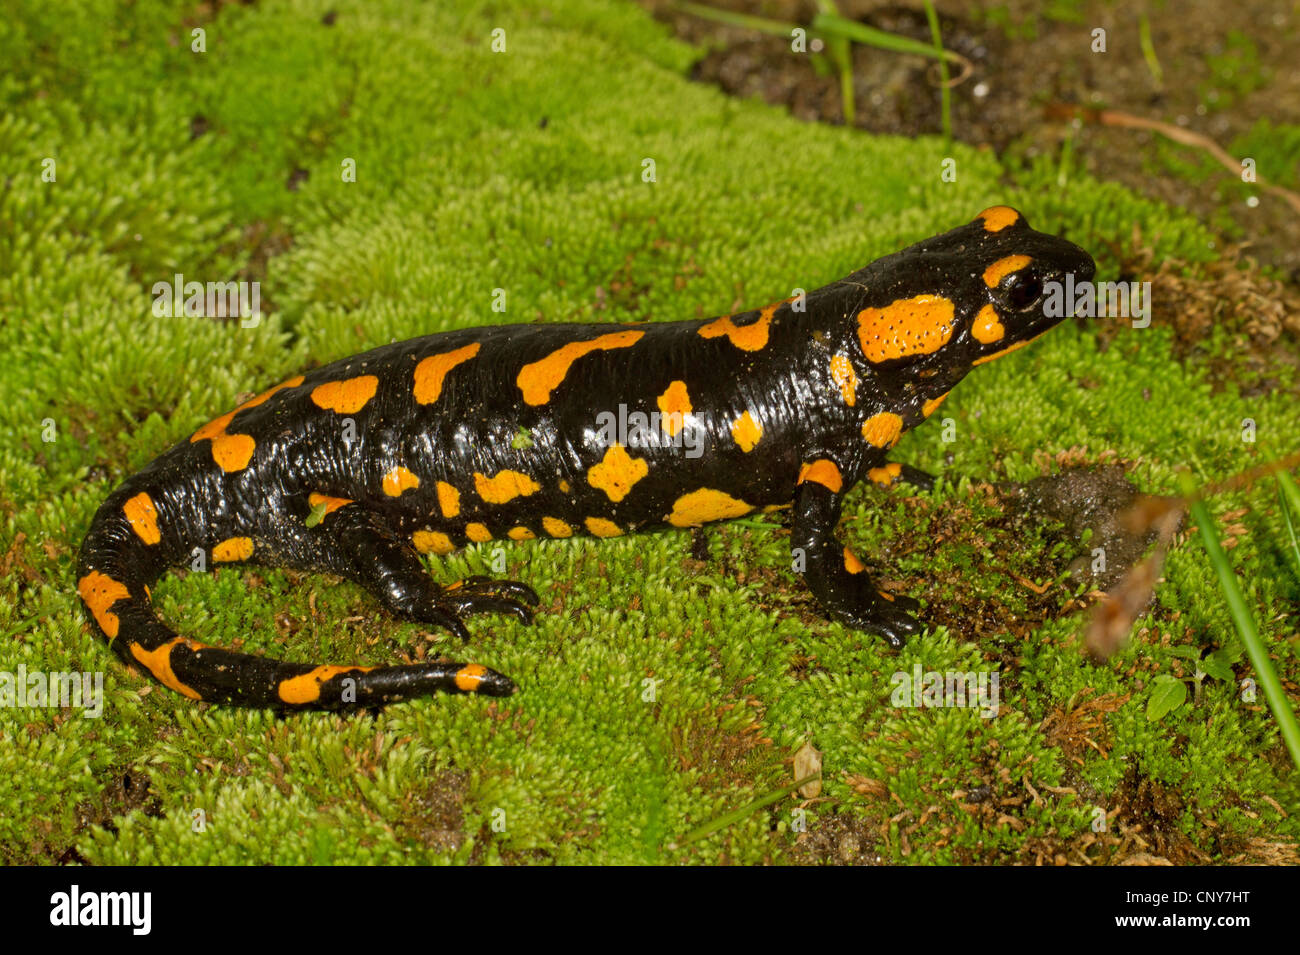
(522, 171)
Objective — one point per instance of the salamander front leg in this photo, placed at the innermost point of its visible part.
(836, 577)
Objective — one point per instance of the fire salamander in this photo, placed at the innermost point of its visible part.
(525, 431)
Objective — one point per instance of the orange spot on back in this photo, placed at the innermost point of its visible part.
(345, 397)
(233, 548)
(751, 337)
(556, 527)
(159, 662)
(908, 326)
(845, 378)
(997, 218)
(143, 517)
(399, 480)
(823, 472)
(99, 592)
(478, 533)
(883, 430)
(434, 542)
(520, 534)
(746, 431)
(232, 452)
(617, 472)
(1003, 267)
(504, 486)
(306, 688)
(600, 527)
(431, 371)
(705, 505)
(448, 499)
(332, 504)
(851, 562)
(538, 379)
(674, 405)
(469, 677)
(886, 475)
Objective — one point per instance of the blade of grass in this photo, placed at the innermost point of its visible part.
(745, 20)
(945, 91)
(1245, 624)
(738, 814)
(1149, 50)
(829, 24)
(1289, 496)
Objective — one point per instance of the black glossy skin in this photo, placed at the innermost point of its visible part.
(475, 425)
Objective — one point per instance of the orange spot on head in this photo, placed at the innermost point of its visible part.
(332, 504)
(705, 505)
(399, 480)
(504, 486)
(159, 662)
(931, 406)
(556, 527)
(600, 527)
(431, 371)
(997, 218)
(746, 431)
(845, 378)
(306, 688)
(99, 592)
(988, 327)
(851, 562)
(1003, 267)
(469, 677)
(674, 405)
(434, 542)
(751, 337)
(617, 472)
(908, 326)
(143, 517)
(232, 452)
(478, 533)
(520, 534)
(448, 499)
(538, 379)
(883, 430)
(345, 397)
(233, 548)
(1006, 351)
(823, 472)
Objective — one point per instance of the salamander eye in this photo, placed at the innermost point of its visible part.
(1022, 290)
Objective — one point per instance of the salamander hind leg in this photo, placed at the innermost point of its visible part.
(836, 577)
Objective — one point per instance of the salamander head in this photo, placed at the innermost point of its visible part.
(936, 309)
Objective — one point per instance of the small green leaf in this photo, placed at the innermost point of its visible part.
(316, 516)
(523, 439)
(1167, 694)
(1219, 666)
(1187, 652)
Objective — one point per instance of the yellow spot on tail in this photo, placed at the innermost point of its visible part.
(600, 527)
(851, 562)
(674, 405)
(988, 327)
(538, 379)
(564, 487)
(448, 499)
(751, 337)
(1003, 267)
(469, 677)
(705, 505)
(931, 406)
(885, 475)
(306, 688)
(159, 662)
(823, 472)
(332, 504)
(398, 480)
(997, 218)
(435, 542)
(478, 533)
(909, 326)
(520, 534)
(1006, 351)
(345, 397)
(556, 527)
(143, 516)
(617, 472)
(431, 371)
(504, 486)
(232, 452)
(233, 548)
(99, 592)
(883, 430)
(746, 431)
(845, 378)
